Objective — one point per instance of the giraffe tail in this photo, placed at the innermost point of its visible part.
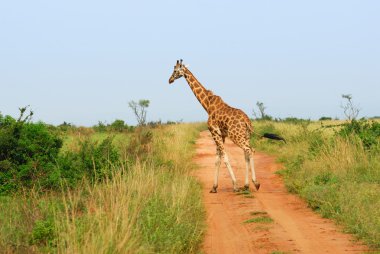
(273, 136)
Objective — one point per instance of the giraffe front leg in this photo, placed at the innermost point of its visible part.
(216, 176)
(255, 182)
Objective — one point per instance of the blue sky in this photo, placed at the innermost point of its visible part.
(83, 61)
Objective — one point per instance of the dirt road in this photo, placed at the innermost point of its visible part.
(268, 221)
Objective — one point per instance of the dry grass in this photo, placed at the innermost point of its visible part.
(337, 176)
(153, 206)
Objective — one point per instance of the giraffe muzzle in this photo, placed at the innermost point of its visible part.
(171, 80)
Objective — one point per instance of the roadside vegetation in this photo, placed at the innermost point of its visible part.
(334, 166)
(98, 190)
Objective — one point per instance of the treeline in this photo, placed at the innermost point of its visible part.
(32, 154)
(118, 126)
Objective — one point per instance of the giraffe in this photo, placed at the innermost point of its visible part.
(223, 121)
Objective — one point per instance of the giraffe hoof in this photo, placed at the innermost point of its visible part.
(213, 190)
(257, 185)
(236, 190)
(246, 187)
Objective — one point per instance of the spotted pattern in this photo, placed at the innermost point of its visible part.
(224, 121)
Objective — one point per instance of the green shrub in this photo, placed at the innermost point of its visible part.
(118, 125)
(30, 156)
(93, 159)
(43, 232)
(27, 154)
(367, 131)
(65, 127)
(100, 127)
(295, 120)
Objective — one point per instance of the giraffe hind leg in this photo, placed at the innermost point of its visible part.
(252, 163)
(249, 163)
(246, 183)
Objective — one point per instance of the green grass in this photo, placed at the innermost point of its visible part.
(258, 213)
(261, 219)
(245, 193)
(152, 205)
(338, 177)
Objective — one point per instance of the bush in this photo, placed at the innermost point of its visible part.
(93, 159)
(66, 127)
(30, 156)
(43, 232)
(295, 120)
(118, 125)
(27, 154)
(100, 127)
(367, 131)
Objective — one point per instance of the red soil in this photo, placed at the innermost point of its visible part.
(295, 227)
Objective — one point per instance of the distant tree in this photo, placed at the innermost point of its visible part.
(255, 114)
(100, 127)
(261, 108)
(351, 111)
(139, 109)
(27, 118)
(118, 125)
(324, 118)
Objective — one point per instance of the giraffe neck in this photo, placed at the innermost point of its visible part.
(199, 91)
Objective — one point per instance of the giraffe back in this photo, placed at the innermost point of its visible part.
(231, 122)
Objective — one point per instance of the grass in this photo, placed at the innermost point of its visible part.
(147, 206)
(245, 193)
(258, 213)
(338, 177)
(261, 219)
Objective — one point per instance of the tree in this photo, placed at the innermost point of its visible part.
(118, 125)
(139, 109)
(262, 108)
(350, 110)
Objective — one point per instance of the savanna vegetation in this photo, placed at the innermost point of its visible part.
(334, 166)
(107, 189)
(115, 188)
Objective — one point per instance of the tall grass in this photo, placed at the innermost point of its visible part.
(146, 206)
(337, 176)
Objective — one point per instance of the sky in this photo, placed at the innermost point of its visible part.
(83, 61)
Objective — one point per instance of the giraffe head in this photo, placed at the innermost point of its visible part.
(179, 71)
